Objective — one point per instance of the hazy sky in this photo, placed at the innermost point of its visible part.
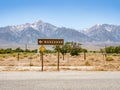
(67, 13)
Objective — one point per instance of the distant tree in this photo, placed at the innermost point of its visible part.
(50, 51)
(64, 49)
(2, 51)
(109, 49)
(70, 47)
(74, 51)
(84, 50)
(113, 49)
(117, 49)
(19, 50)
(27, 50)
(8, 50)
(34, 51)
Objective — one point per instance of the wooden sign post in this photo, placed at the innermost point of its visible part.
(42, 49)
(84, 55)
(58, 49)
(42, 61)
(56, 42)
(18, 58)
(58, 60)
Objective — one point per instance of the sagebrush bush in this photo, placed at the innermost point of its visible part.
(87, 63)
(14, 55)
(109, 59)
(115, 54)
(4, 56)
(1, 59)
(31, 64)
(91, 58)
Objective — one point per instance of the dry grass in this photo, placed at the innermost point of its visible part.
(87, 63)
(109, 59)
(112, 62)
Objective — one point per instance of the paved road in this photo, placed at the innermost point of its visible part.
(60, 80)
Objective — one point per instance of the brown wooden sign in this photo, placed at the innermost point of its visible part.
(50, 41)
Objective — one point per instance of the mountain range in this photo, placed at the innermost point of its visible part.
(30, 32)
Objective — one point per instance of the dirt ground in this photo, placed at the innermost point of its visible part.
(97, 60)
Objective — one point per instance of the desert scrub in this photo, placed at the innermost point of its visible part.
(11, 64)
(109, 59)
(91, 58)
(52, 64)
(14, 55)
(55, 54)
(1, 59)
(3, 56)
(30, 58)
(87, 63)
(21, 57)
(31, 64)
(115, 54)
(35, 56)
(25, 54)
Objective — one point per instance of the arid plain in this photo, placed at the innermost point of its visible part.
(32, 62)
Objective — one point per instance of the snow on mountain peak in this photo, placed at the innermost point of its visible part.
(38, 22)
(20, 27)
(36, 25)
(98, 25)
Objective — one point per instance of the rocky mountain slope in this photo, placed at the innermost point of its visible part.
(29, 33)
(104, 32)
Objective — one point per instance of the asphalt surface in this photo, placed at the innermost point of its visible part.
(60, 80)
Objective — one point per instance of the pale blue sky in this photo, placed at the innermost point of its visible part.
(75, 14)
